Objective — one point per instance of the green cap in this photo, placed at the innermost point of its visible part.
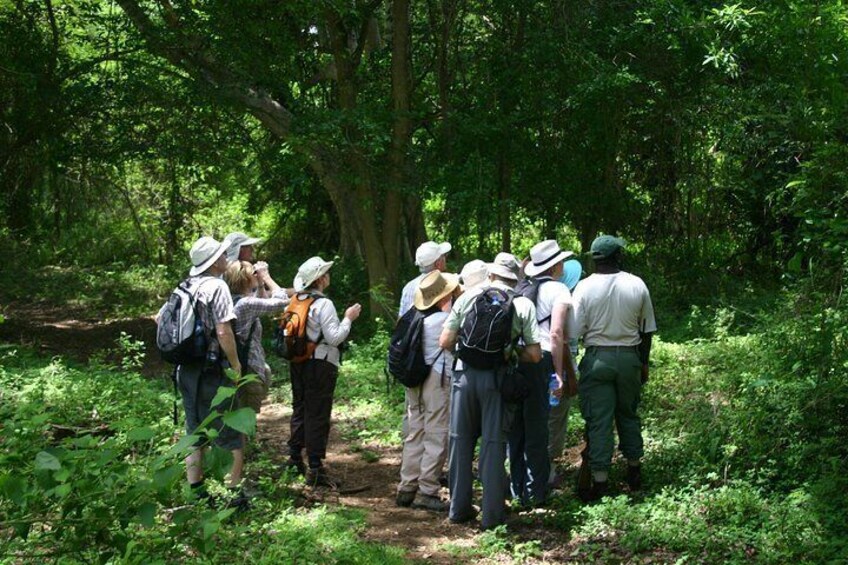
(604, 246)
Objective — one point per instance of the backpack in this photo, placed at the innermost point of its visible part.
(290, 339)
(180, 333)
(529, 288)
(405, 360)
(486, 331)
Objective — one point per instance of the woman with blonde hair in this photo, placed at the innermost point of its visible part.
(244, 281)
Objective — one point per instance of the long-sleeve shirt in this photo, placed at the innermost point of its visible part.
(323, 326)
(248, 309)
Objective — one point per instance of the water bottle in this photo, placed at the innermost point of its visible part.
(554, 384)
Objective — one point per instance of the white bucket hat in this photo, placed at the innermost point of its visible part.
(237, 241)
(313, 269)
(474, 274)
(429, 252)
(205, 252)
(505, 266)
(545, 255)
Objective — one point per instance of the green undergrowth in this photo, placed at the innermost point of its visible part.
(90, 472)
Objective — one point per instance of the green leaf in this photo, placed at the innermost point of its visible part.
(47, 462)
(146, 514)
(794, 264)
(14, 488)
(164, 478)
(141, 434)
(242, 420)
(210, 526)
(223, 393)
(63, 490)
(185, 443)
(182, 516)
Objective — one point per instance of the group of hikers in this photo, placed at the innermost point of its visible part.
(488, 354)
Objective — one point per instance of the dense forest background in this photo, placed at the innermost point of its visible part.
(713, 136)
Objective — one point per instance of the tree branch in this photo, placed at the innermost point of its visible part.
(188, 56)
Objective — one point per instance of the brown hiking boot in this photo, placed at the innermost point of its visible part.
(318, 477)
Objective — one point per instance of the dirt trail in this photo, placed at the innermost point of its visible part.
(423, 534)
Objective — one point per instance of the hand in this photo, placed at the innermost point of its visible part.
(557, 392)
(644, 373)
(353, 312)
(260, 266)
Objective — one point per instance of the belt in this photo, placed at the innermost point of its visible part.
(613, 348)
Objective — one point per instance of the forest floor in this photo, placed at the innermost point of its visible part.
(368, 473)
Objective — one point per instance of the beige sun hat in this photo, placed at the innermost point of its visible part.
(429, 252)
(205, 252)
(237, 241)
(474, 274)
(545, 255)
(433, 288)
(505, 266)
(311, 270)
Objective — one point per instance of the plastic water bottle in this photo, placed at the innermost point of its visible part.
(554, 384)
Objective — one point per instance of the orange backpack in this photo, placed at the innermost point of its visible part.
(291, 341)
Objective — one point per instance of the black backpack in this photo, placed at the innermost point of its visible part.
(529, 288)
(405, 359)
(180, 333)
(487, 330)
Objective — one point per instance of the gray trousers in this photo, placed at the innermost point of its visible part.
(477, 411)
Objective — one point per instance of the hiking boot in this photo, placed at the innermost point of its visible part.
(634, 477)
(295, 465)
(318, 477)
(596, 492)
(430, 502)
(404, 498)
(240, 502)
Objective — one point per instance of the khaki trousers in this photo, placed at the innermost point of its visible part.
(425, 447)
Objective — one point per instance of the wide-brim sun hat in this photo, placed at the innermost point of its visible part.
(474, 274)
(605, 246)
(429, 252)
(237, 241)
(311, 270)
(433, 288)
(505, 266)
(545, 255)
(205, 252)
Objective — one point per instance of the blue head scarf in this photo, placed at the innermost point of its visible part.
(571, 271)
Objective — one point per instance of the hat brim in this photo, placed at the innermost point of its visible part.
(235, 248)
(202, 268)
(301, 283)
(502, 272)
(421, 304)
(531, 270)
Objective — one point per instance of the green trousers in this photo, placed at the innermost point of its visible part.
(610, 388)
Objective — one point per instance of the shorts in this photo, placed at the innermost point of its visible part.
(198, 386)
